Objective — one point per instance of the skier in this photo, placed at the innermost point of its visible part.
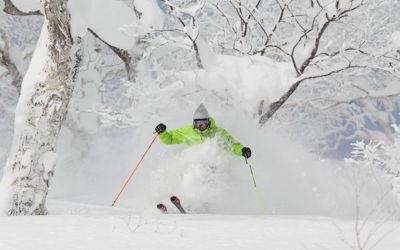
(202, 129)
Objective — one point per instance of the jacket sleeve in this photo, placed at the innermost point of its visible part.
(233, 144)
(173, 137)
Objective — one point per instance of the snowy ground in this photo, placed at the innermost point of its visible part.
(78, 226)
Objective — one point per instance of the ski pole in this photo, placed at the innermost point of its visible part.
(134, 170)
(258, 195)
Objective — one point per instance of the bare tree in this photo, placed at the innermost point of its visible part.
(368, 164)
(302, 33)
(313, 35)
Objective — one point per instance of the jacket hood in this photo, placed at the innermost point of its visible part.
(201, 112)
(212, 122)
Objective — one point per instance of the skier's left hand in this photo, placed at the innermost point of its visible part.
(246, 152)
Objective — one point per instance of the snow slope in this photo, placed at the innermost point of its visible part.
(78, 226)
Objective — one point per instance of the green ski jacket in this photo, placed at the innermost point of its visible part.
(191, 135)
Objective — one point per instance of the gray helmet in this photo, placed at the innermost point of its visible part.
(201, 113)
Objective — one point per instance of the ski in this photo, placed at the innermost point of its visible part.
(177, 202)
(162, 208)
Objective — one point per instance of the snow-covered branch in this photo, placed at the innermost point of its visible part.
(7, 63)
(275, 106)
(11, 9)
(190, 30)
(129, 61)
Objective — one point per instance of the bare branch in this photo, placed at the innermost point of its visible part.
(346, 11)
(304, 35)
(316, 45)
(192, 39)
(121, 53)
(275, 106)
(5, 60)
(11, 9)
(273, 30)
(243, 22)
(331, 72)
(225, 17)
(295, 17)
(329, 20)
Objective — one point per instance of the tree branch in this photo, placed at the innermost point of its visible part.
(11, 9)
(121, 53)
(6, 61)
(192, 39)
(336, 103)
(275, 106)
(316, 45)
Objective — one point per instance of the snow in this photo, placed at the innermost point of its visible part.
(113, 20)
(215, 185)
(396, 187)
(152, 15)
(79, 226)
(291, 180)
(251, 79)
(27, 5)
(208, 57)
(396, 39)
(108, 18)
(190, 10)
(49, 161)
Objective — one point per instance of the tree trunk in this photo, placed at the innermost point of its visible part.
(46, 91)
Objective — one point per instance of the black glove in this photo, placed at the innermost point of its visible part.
(246, 152)
(160, 128)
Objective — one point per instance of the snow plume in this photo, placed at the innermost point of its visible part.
(201, 175)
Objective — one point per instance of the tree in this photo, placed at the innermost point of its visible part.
(320, 39)
(7, 63)
(46, 95)
(345, 64)
(374, 170)
(18, 37)
(47, 90)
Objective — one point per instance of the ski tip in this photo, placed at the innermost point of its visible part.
(162, 208)
(175, 199)
(177, 203)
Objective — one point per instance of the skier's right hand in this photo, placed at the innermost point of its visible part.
(160, 128)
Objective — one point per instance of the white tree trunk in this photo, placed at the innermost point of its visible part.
(46, 91)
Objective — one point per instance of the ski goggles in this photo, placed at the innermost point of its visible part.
(201, 123)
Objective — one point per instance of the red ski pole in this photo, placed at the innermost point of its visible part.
(134, 170)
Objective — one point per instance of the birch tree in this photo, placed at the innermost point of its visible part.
(46, 91)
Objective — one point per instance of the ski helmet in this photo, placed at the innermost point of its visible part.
(200, 113)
